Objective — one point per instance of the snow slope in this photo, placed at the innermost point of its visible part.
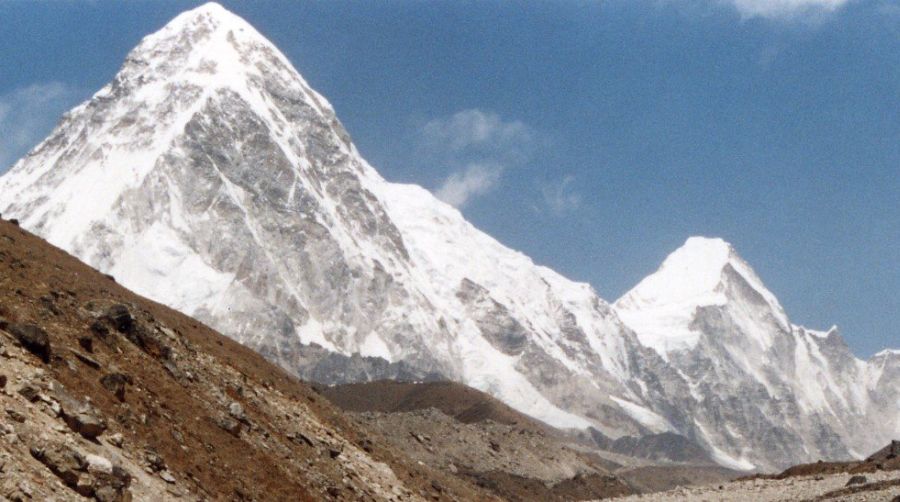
(209, 176)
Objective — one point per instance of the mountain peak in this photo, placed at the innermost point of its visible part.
(200, 63)
(210, 8)
(210, 14)
(207, 47)
(690, 274)
(701, 257)
(706, 245)
(702, 272)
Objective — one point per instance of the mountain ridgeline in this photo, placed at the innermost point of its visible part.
(210, 177)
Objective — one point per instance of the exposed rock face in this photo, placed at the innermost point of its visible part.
(218, 163)
(889, 452)
(315, 363)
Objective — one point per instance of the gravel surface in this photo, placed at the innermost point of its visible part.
(791, 489)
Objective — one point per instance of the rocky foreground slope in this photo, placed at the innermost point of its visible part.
(210, 177)
(110, 396)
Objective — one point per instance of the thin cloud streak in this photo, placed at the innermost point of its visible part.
(477, 147)
(785, 9)
(475, 180)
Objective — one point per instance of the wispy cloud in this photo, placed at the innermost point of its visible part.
(782, 9)
(474, 180)
(27, 115)
(474, 130)
(477, 147)
(560, 196)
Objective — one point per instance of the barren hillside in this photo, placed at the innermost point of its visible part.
(108, 395)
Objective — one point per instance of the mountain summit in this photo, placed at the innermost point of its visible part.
(209, 176)
(704, 272)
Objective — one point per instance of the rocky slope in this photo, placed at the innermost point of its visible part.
(110, 396)
(464, 404)
(875, 479)
(210, 177)
(878, 487)
(473, 436)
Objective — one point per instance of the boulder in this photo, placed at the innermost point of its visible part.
(116, 440)
(86, 423)
(155, 461)
(857, 480)
(30, 392)
(112, 486)
(33, 338)
(15, 415)
(80, 416)
(229, 424)
(237, 412)
(62, 460)
(121, 318)
(97, 464)
(115, 383)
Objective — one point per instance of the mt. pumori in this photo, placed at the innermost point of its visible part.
(210, 177)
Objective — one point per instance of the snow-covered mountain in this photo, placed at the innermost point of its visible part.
(209, 176)
(756, 378)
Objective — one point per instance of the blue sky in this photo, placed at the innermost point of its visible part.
(594, 136)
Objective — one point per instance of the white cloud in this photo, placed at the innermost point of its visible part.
(477, 147)
(560, 196)
(476, 130)
(474, 180)
(785, 8)
(27, 115)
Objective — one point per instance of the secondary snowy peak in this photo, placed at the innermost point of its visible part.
(702, 272)
(711, 317)
(695, 274)
(691, 274)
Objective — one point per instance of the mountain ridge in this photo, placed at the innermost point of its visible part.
(224, 167)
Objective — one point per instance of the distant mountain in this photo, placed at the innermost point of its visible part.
(755, 377)
(209, 176)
